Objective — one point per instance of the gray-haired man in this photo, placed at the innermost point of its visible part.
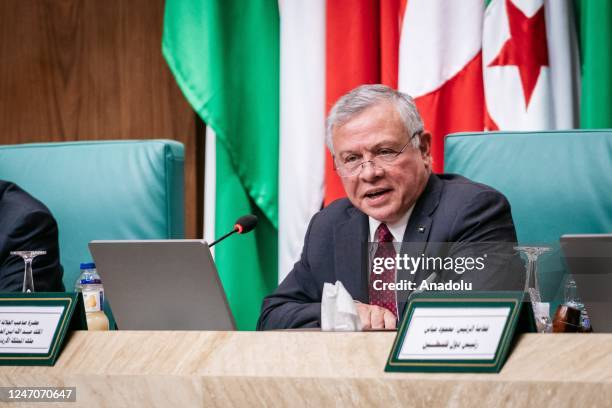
(382, 154)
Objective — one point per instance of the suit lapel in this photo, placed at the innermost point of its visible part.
(417, 231)
(350, 241)
(419, 224)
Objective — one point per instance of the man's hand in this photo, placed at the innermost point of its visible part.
(375, 317)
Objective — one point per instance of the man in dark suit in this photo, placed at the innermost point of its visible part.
(26, 224)
(382, 154)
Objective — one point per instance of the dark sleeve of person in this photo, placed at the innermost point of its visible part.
(296, 302)
(484, 228)
(36, 230)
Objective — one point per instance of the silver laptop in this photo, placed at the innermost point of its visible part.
(162, 285)
(589, 260)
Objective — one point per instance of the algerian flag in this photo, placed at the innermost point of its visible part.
(225, 57)
(530, 65)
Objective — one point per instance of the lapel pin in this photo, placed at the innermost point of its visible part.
(421, 229)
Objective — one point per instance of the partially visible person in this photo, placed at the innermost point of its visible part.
(26, 224)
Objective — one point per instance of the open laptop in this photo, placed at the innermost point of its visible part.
(589, 260)
(162, 285)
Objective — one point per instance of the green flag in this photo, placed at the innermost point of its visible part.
(224, 55)
(596, 57)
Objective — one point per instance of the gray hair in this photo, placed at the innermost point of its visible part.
(365, 96)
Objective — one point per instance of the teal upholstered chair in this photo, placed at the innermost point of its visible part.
(102, 190)
(557, 183)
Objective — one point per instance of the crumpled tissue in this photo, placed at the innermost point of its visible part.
(338, 310)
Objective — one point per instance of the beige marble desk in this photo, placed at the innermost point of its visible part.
(167, 369)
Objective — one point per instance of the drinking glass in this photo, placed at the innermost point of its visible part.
(28, 257)
(532, 287)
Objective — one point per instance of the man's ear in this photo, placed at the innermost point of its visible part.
(425, 145)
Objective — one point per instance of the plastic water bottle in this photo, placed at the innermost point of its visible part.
(90, 285)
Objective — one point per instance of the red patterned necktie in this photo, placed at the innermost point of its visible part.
(383, 298)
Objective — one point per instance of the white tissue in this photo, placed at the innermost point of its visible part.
(338, 310)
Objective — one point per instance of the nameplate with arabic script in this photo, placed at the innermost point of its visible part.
(33, 326)
(458, 331)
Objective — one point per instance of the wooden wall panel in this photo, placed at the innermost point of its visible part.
(93, 69)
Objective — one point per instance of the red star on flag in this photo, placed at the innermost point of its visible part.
(526, 48)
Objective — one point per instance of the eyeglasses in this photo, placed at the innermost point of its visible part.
(352, 166)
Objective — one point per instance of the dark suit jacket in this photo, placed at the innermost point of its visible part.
(451, 213)
(26, 224)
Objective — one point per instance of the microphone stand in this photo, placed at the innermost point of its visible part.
(223, 237)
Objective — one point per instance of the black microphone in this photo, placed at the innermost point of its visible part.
(243, 225)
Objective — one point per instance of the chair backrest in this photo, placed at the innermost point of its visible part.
(557, 182)
(102, 190)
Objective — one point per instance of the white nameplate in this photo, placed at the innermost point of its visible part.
(454, 333)
(28, 329)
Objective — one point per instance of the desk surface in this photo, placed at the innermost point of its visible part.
(311, 368)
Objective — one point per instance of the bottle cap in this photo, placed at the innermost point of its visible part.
(88, 265)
